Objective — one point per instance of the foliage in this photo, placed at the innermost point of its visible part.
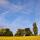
(28, 32)
(20, 32)
(5, 32)
(24, 32)
(35, 29)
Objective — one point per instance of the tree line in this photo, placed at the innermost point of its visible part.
(27, 31)
(20, 32)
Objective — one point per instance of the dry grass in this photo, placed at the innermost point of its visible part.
(21, 38)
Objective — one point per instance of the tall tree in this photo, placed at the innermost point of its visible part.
(35, 28)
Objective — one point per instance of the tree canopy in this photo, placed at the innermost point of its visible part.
(24, 32)
(35, 28)
(5, 32)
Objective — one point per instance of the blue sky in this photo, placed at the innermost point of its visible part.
(16, 14)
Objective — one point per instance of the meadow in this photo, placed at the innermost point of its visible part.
(20, 38)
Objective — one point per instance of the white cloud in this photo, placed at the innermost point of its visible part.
(2, 19)
(20, 22)
(3, 2)
(4, 13)
(25, 8)
(38, 25)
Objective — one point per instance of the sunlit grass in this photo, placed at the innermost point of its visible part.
(20, 38)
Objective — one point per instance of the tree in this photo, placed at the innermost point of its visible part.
(5, 32)
(35, 28)
(8, 32)
(24, 32)
(20, 32)
(28, 32)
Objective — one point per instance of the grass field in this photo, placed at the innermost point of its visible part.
(21, 38)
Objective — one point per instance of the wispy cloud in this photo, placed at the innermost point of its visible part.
(25, 8)
(3, 1)
(19, 13)
(20, 22)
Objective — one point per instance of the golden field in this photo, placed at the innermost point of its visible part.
(20, 38)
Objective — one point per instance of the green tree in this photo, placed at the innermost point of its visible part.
(28, 32)
(23, 32)
(35, 28)
(5, 32)
(8, 32)
(20, 32)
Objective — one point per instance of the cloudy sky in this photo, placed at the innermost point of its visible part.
(16, 14)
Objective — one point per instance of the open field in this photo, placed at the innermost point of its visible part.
(21, 38)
